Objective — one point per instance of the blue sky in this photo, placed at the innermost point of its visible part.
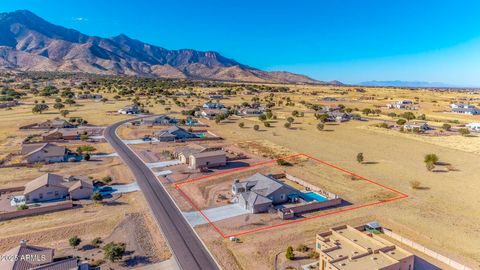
(347, 40)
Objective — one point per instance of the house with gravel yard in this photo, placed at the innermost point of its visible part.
(61, 134)
(416, 126)
(26, 257)
(463, 108)
(44, 152)
(49, 187)
(348, 248)
(259, 193)
(174, 133)
(208, 159)
(160, 120)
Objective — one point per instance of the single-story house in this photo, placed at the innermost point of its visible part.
(215, 96)
(51, 186)
(133, 109)
(416, 125)
(328, 99)
(208, 159)
(401, 104)
(89, 96)
(211, 113)
(260, 192)
(61, 134)
(174, 133)
(160, 120)
(55, 123)
(473, 126)
(27, 257)
(464, 109)
(338, 116)
(212, 105)
(44, 152)
(45, 188)
(183, 153)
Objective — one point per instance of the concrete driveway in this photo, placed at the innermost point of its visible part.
(215, 214)
(162, 164)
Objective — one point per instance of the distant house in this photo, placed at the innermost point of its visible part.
(212, 105)
(252, 110)
(215, 96)
(260, 192)
(9, 104)
(338, 116)
(328, 99)
(28, 257)
(160, 120)
(473, 127)
(55, 123)
(44, 152)
(133, 109)
(61, 134)
(419, 126)
(464, 109)
(89, 96)
(401, 104)
(174, 133)
(51, 186)
(183, 153)
(210, 113)
(208, 159)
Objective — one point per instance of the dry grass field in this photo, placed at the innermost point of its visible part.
(443, 214)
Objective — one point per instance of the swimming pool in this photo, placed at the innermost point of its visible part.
(201, 135)
(313, 196)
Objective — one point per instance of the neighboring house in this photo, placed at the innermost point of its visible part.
(133, 109)
(210, 113)
(9, 104)
(473, 127)
(401, 104)
(328, 99)
(51, 186)
(338, 116)
(208, 159)
(419, 126)
(44, 152)
(89, 96)
(215, 96)
(348, 248)
(161, 120)
(464, 108)
(55, 123)
(61, 134)
(81, 190)
(174, 133)
(253, 109)
(183, 153)
(260, 192)
(28, 257)
(212, 105)
(47, 187)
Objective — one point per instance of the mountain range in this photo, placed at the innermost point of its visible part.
(29, 43)
(399, 83)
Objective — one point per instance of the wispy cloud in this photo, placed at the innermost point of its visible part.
(79, 19)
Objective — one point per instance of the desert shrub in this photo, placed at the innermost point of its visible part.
(302, 248)
(290, 255)
(415, 184)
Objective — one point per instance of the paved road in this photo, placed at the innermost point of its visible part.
(187, 248)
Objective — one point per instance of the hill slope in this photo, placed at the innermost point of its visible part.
(29, 43)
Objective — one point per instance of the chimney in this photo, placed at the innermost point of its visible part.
(23, 243)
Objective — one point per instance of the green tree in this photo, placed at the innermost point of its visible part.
(446, 126)
(85, 149)
(320, 126)
(114, 251)
(97, 196)
(287, 125)
(107, 179)
(464, 131)
(262, 117)
(266, 124)
(401, 122)
(39, 108)
(360, 158)
(430, 161)
(74, 241)
(64, 113)
(269, 114)
(290, 120)
(58, 106)
(289, 254)
(256, 127)
(241, 124)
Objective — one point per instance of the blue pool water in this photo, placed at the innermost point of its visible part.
(201, 135)
(313, 196)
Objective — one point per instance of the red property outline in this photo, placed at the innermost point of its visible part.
(179, 184)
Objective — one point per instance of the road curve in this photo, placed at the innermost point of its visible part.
(189, 251)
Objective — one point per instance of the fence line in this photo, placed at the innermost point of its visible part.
(425, 250)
